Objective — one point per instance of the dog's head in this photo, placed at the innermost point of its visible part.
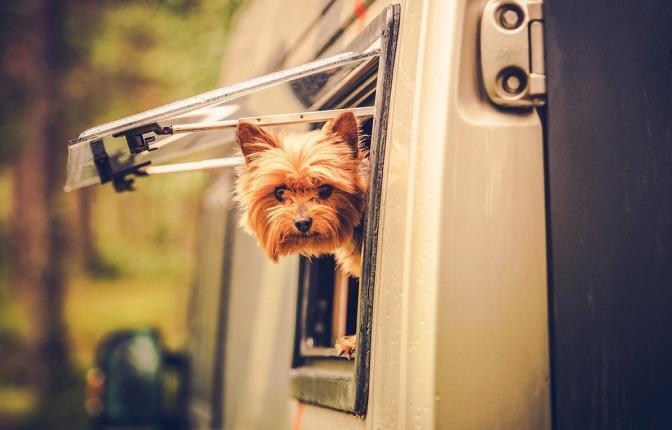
(302, 193)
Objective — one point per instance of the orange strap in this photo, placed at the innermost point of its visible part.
(298, 416)
(359, 9)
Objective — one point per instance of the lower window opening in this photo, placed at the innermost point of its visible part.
(331, 310)
(330, 297)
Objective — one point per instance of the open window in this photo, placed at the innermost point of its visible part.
(331, 304)
(202, 125)
(198, 133)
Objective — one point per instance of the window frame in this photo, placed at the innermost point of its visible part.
(326, 380)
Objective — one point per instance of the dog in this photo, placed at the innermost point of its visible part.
(305, 193)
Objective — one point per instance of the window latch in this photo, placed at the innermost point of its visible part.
(512, 52)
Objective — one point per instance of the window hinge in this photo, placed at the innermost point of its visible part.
(512, 52)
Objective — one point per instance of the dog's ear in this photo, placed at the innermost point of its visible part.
(346, 127)
(253, 139)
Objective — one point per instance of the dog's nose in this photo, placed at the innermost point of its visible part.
(303, 224)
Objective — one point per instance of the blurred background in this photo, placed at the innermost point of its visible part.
(76, 266)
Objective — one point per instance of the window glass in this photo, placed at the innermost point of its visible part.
(291, 90)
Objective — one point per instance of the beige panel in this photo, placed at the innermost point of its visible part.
(493, 337)
(389, 379)
(262, 33)
(460, 337)
(315, 417)
(259, 339)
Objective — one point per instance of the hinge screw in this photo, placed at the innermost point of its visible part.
(512, 81)
(512, 84)
(510, 16)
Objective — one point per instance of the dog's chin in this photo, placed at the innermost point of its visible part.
(309, 244)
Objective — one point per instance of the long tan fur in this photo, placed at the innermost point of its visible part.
(301, 163)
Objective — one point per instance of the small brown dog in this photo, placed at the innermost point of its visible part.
(305, 193)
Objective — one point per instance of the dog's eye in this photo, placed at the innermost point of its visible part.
(280, 193)
(324, 191)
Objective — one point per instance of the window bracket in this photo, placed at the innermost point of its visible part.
(111, 168)
(512, 52)
(114, 170)
(136, 139)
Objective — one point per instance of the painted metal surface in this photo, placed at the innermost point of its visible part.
(205, 304)
(460, 311)
(460, 336)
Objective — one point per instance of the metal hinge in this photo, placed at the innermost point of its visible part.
(512, 52)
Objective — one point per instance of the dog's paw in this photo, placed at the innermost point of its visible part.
(346, 345)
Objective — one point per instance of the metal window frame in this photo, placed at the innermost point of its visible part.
(326, 380)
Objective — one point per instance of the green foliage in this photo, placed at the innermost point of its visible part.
(5, 199)
(149, 53)
(119, 57)
(150, 233)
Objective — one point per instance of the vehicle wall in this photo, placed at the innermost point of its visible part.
(460, 321)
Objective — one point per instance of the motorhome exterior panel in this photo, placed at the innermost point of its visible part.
(460, 310)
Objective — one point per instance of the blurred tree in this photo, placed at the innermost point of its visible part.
(90, 257)
(36, 224)
(66, 65)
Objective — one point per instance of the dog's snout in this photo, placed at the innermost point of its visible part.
(303, 224)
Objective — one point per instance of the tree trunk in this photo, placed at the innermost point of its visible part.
(37, 240)
(89, 257)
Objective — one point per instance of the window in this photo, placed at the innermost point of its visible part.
(141, 144)
(329, 304)
(328, 301)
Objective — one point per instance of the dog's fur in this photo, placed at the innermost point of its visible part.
(300, 164)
